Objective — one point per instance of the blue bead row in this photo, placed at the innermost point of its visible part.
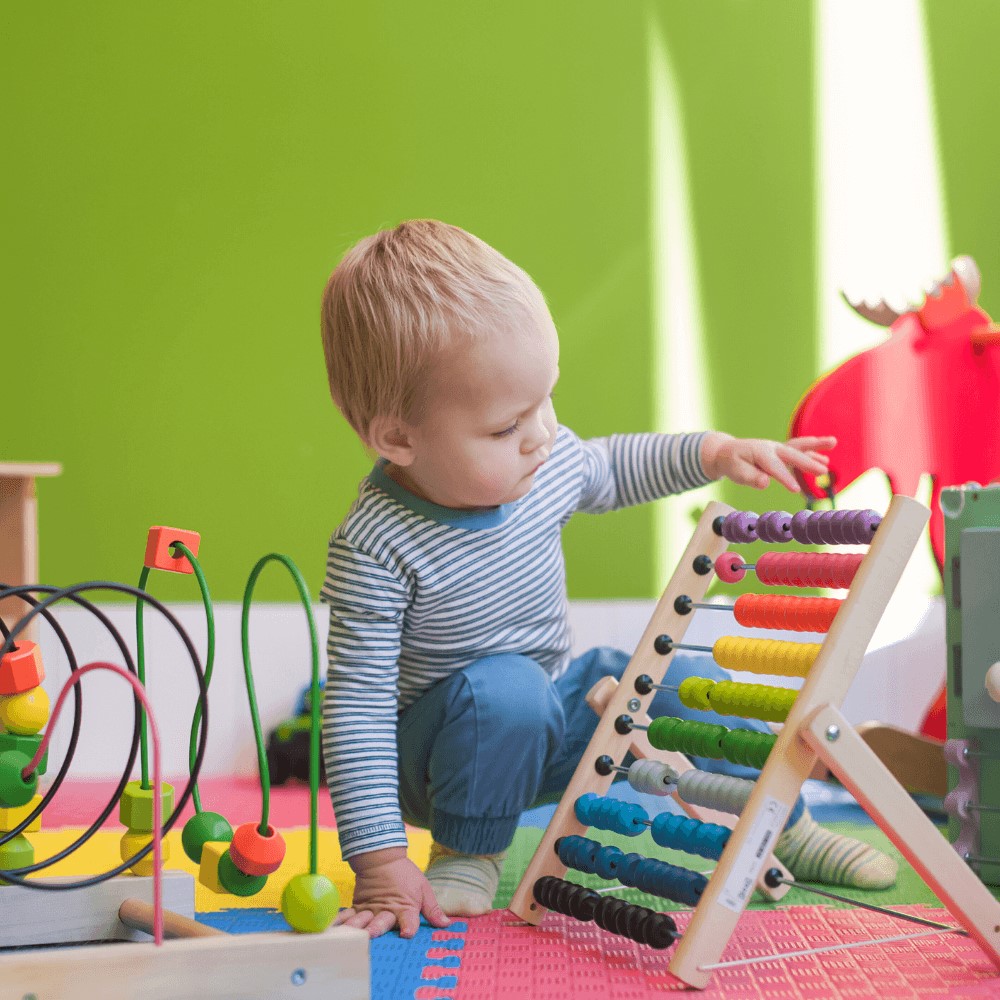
(682, 833)
(648, 874)
(603, 813)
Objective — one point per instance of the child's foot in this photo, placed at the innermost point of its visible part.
(464, 884)
(813, 854)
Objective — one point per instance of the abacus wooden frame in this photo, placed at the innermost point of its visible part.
(792, 760)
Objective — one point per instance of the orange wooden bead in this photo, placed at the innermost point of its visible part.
(255, 853)
(158, 554)
(21, 669)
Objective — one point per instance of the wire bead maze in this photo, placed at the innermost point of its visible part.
(812, 728)
(236, 861)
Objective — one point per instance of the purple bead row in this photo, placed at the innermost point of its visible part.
(810, 527)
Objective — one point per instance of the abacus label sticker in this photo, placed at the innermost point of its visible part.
(764, 830)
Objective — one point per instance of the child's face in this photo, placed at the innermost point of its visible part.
(488, 423)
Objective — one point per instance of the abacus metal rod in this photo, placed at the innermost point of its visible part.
(688, 645)
(644, 684)
(773, 878)
(830, 947)
(975, 859)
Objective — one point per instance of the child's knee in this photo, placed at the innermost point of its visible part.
(514, 696)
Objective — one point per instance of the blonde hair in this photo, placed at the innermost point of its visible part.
(400, 298)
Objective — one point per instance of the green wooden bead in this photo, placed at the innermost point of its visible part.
(135, 810)
(202, 828)
(698, 739)
(309, 903)
(27, 745)
(236, 882)
(16, 853)
(747, 747)
(14, 790)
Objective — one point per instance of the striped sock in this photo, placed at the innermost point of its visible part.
(464, 884)
(813, 854)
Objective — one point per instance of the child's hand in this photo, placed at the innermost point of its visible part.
(756, 461)
(389, 890)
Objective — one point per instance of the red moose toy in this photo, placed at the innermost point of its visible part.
(925, 401)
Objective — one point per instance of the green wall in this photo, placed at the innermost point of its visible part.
(179, 182)
(964, 45)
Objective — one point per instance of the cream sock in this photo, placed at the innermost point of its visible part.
(814, 854)
(464, 884)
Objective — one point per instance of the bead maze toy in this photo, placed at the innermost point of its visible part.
(112, 905)
(814, 729)
(972, 629)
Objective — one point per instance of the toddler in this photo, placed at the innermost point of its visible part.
(451, 701)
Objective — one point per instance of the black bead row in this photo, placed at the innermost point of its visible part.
(639, 923)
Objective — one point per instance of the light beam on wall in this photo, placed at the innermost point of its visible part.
(679, 367)
(881, 224)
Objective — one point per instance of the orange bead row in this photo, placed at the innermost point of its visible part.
(780, 611)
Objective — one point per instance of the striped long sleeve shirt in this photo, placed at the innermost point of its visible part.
(417, 591)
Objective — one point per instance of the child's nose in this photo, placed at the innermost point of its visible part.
(537, 436)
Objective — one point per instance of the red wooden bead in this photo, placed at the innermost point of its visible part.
(255, 853)
(727, 567)
(21, 669)
(158, 554)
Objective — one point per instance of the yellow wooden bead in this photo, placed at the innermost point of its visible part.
(133, 841)
(208, 872)
(10, 816)
(26, 713)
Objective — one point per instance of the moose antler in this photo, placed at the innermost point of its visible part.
(881, 313)
(941, 301)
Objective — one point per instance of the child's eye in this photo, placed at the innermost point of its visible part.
(507, 431)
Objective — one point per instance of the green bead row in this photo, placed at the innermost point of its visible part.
(697, 739)
(746, 747)
(703, 739)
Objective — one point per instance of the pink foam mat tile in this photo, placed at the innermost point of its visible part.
(564, 959)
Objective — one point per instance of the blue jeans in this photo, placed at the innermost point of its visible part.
(497, 737)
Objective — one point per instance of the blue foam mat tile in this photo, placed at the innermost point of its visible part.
(251, 920)
(418, 968)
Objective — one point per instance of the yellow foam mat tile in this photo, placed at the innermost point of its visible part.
(100, 853)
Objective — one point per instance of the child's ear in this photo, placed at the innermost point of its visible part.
(392, 438)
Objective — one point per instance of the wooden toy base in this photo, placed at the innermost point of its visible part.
(226, 967)
(34, 917)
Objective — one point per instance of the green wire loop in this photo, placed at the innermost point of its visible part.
(140, 605)
(265, 782)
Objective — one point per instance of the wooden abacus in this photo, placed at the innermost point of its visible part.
(814, 730)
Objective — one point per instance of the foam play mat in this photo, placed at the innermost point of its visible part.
(498, 956)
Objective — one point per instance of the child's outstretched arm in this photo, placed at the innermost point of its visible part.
(390, 889)
(756, 461)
